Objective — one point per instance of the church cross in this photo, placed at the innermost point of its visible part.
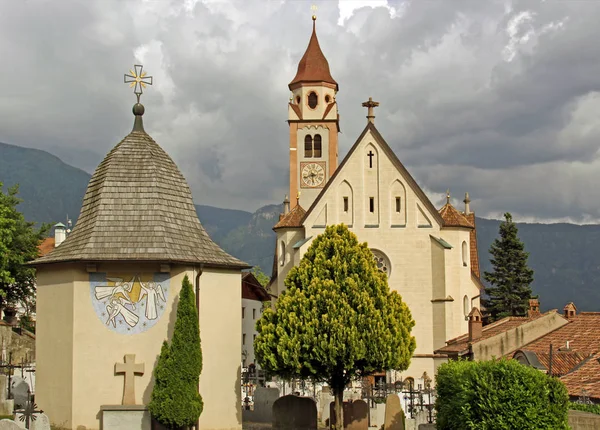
(138, 80)
(129, 369)
(370, 104)
(370, 155)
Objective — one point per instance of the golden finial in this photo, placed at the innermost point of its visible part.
(448, 196)
(137, 78)
(314, 11)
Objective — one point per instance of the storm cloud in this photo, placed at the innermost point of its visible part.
(500, 99)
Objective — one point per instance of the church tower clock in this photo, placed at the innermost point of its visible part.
(314, 124)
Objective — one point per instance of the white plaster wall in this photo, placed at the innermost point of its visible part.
(252, 312)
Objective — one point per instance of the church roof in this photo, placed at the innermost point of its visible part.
(313, 66)
(393, 158)
(138, 207)
(293, 219)
(453, 218)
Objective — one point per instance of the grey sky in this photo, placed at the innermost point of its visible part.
(496, 98)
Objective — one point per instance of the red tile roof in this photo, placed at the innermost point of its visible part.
(453, 218)
(313, 66)
(474, 253)
(462, 342)
(585, 379)
(293, 219)
(46, 246)
(562, 361)
(582, 332)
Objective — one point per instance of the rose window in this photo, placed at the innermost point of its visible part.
(382, 261)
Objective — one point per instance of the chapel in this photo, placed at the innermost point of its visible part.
(107, 296)
(429, 255)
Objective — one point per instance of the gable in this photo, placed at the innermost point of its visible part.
(376, 188)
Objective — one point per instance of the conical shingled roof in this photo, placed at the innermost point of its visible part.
(313, 66)
(453, 218)
(138, 207)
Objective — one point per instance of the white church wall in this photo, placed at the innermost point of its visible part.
(286, 239)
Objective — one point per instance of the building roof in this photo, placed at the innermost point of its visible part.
(474, 252)
(584, 380)
(293, 219)
(461, 343)
(453, 218)
(252, 289)
(395, 161)
(138, 207)
(313, 66)
(46, 246)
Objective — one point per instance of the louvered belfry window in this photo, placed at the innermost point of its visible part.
(317, 146)
(308, 147)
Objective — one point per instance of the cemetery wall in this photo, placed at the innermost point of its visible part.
(22, 346)
(77, 352)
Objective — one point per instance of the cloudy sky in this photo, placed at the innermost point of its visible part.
(498, 98)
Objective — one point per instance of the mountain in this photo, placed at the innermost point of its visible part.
(563, 256)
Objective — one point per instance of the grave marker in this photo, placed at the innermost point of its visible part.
(394, 416)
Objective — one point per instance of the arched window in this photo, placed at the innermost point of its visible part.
(317, 146)
(308, 147)
(312, 100)
(464, 253)
(282, 252)
(466, 309)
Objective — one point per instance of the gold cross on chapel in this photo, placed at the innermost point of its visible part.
(370, 104)
(314, 12)
(138, 80)
(129, 369)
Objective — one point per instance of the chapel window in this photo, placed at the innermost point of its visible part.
(244, 339)
(382, 262)
(398, 205)
(317, 146)
(308, 146)
(243, 312)
(282, 251)
(464, 253)
(312, 100)
(371, 204)
(466, 306)
(345, 204)
(253, 314)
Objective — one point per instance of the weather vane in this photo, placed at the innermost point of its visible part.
(138, 80)
(314, 11)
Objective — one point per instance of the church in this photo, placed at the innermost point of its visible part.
(429, 255)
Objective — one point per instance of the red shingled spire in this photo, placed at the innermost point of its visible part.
(313, 66)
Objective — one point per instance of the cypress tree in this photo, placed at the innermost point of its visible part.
(509, 291)
(175, 401)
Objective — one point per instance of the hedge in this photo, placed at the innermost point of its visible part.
(498, 395)
(594, 409)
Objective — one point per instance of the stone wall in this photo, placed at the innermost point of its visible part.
(22, 346)
(579, 420)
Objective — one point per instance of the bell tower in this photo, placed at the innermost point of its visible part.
(314, 124)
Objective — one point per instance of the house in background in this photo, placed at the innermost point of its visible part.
(253, 297)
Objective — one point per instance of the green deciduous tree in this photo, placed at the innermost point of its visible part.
(19, 241)
(175, 400)
(260, 276)
(337, 320)
(503, 395)
(509, 291)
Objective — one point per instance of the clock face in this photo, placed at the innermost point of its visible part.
(313, 175)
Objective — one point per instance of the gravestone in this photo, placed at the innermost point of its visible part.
(42, 422)
(294, 413)
(325, 399)
(20, 391)
(356, 415)
(394, 416)
(264, 398)
(9, 425)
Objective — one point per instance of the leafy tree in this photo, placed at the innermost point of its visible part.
(175, 400)
(509, 291)
(498, 394)
(19, 241)
(337, 320)
(260, 276)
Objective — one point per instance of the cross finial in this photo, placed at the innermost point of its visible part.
(138, 80)
(370, 104)
(448, 196)
(314, 12)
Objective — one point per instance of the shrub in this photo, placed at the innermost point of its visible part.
(498, 395)
(594, 409)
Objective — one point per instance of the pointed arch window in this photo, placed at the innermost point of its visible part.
(308, 146)
(317, 146)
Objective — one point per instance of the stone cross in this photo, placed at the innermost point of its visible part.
(129, 369)
(370, 104)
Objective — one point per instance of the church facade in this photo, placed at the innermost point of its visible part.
(429, 255)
